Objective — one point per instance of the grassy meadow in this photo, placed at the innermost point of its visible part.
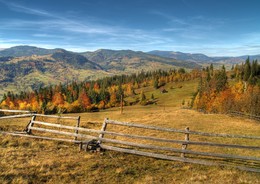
(24, 160)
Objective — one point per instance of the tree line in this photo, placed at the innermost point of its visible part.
(92, 95)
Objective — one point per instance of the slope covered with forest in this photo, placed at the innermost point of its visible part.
(28, 68)
(237, 90)
(95, 95)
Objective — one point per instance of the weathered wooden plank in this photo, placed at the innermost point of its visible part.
(16, 111)
(38, 137)
(16, 116)
(166, 157)
(148, 137)
(59, 117)
(63, 133)
(179, 131)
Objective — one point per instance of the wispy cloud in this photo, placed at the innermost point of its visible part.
(54, 21)
(23, 9)
(170, 18)
(190, 28)
(79, 29)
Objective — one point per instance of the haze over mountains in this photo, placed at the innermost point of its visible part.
(27, 67)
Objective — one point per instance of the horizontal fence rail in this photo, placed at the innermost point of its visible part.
(30, 114)
(21, 134)
(16, 116)
(166, 157)
(16, 111)
(58, 117)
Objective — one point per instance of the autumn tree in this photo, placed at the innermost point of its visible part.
(84, 100)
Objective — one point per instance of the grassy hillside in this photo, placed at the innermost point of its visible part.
(36, 161)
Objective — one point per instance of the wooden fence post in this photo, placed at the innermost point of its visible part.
(29, 131)
(104, 126)
(187, 138)
(77, 126)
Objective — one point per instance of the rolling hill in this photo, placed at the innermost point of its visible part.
(31, 72)
(28, 68)
(128, 60)
(25, 50)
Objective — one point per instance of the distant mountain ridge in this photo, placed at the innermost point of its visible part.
(133, 59)
(202, 58)
(25, 50)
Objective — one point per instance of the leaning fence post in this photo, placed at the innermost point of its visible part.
(187, 138)
(29, 131)
(77, 126)
(104, 126)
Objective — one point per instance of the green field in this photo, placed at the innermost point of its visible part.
(26, 160)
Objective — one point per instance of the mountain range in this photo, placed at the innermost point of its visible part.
(28, 68)
(202, 58)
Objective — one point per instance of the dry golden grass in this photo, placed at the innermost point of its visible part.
(24, 160)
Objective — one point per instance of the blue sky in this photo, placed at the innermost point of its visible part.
(212, 27)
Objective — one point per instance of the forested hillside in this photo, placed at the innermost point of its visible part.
(28, 68)
(237, 91)
(93, 95)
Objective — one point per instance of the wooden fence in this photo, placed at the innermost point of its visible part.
(110, 140)
(250, 116)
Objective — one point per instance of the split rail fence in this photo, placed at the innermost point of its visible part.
(103, 139)
(250, 116)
